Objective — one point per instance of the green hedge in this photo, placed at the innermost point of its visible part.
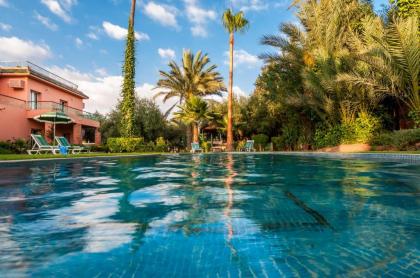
(400, 139)
(121, 144)
(17, 146)
(362, 130)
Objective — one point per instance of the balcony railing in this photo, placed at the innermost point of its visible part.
(37, 70)
(54, 106)
(7, 101)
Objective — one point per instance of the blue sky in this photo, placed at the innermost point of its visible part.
(83, 40)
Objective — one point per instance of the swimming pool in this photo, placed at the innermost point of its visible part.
(221, 215)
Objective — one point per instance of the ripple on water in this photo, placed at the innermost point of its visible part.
(160, 193)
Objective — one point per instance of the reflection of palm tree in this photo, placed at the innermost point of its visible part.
(228, 184)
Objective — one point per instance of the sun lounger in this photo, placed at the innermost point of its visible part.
(41, 146)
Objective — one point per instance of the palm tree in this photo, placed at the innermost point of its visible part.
(391, 66)
(195, 77)
(127, 105)
(233, 23)
(195, 111)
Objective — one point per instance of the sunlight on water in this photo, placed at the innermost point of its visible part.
(210, 216)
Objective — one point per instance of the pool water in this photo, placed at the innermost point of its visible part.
(221, 215)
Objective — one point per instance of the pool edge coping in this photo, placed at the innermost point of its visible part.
(357, 155)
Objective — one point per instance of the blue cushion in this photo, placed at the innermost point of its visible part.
(63, 150)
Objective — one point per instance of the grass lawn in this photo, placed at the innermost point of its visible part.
(4, 157)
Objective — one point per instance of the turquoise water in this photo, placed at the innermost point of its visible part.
(218, 215)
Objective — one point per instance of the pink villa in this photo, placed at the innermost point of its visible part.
(27, 90)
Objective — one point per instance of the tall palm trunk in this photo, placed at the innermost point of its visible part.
(132, 11)
(229, 145)
(195, 132)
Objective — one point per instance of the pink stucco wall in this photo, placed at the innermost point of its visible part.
(16, 120)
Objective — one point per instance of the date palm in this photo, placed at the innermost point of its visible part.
(233, 23)
(194, 77)
(392, 63)
(195, 111)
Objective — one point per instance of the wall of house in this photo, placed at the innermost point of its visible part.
(51, 93)
(48, 92)
(11, 92)
(16, 121)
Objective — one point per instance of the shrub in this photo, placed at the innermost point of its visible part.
(401, 139)
(99, 148)
(277, 143)
(415, 116)
(260, 141)
(205, 145)
(328, 137)
(160, 144)
(121, 144)
(362, 130)
(240, 145)
(13, 147)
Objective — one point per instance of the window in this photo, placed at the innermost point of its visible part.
(63, 105)
(34, 100)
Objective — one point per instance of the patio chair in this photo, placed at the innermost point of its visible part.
(62, 141)
(195, 147)
(41, 145)
(249, 146)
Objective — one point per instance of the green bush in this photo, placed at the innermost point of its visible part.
(13, 147)
(240, 145)
(205, 145)
(277, 143)
(121, 144)
(401, 139)
(160, 144)
(99, 148)
(415, 116)
(260, 141)
(328, 137)
(362, 130)
(289, 138)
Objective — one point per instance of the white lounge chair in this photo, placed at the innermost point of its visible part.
(195, 147)
(249, 146)
(41, 146)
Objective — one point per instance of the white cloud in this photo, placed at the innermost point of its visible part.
(5, 27)
(166, 53)
(46, 22)
(239, 92)
(104, 90)
(78, 42)
(198, 17)
(60, 8)
(119, 33)
(3, 3)
(94, 32)
(101, 71)
(242, 57)
(164, 14)
(92, 36)
(146, 90)
(250, 5)
(15, 49)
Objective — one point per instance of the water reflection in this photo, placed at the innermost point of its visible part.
(209, 215)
